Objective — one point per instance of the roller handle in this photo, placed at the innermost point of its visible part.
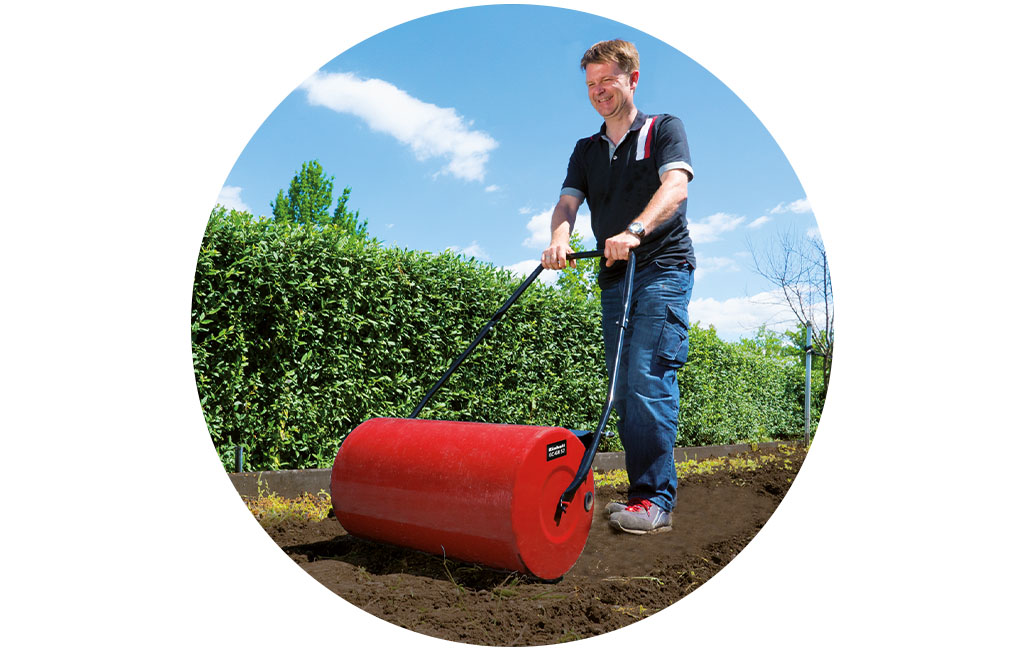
(588, 457)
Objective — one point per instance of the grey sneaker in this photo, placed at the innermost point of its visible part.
(613, 507)
(641, 517)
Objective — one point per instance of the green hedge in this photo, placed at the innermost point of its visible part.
(741, 393)
(301, 333)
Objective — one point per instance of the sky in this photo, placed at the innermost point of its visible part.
(454, 130)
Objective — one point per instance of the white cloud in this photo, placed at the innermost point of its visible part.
(760, 221)
(525, 210)
(709, 230)
(539, 227)
(814, 233)
(429, 130)
(742, 316)
(540, 230)
(710, 264)
(231, 198)
(473, 250)
(491, 188)
(800, 206)
(526, 267)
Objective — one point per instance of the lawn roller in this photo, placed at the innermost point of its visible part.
(501, 495)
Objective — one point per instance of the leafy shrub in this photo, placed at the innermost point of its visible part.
(301, 332)
(738, 393)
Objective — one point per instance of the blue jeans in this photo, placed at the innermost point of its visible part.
(646, 394)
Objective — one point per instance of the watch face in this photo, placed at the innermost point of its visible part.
(636, 229)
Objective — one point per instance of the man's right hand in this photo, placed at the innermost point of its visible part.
(554, 256)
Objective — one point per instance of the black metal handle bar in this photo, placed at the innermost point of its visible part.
(490, 325)
(588, 457)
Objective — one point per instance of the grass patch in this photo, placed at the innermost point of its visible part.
(270, 509)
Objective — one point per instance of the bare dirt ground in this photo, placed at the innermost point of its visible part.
(618, 579)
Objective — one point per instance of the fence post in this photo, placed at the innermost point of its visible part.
(808, 355)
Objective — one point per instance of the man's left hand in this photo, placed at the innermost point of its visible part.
(618, 247)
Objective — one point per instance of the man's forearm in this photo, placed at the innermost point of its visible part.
(660, 208)
(665, 202)
(562, 222)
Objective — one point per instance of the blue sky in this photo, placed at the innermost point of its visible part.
(454, 130)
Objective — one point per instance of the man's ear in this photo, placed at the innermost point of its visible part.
(634, 77)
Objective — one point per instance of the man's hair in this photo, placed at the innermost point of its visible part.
(616, 51)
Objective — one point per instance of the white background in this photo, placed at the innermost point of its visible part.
(120, 124)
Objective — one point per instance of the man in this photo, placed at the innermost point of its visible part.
(633, 174)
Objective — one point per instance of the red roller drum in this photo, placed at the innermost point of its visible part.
(478, 492)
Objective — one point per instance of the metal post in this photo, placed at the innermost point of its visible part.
(807, 387)
(239, 457)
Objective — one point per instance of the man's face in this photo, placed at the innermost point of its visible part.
(610, 89)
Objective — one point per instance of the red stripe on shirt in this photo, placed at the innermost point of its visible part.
(650, 136)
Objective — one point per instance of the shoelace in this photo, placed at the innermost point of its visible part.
(636, 504)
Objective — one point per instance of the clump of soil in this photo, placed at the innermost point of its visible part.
(618, 579)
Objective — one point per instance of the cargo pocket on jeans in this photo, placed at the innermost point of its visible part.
(674, 344)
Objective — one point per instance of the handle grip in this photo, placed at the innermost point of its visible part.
(585, 254)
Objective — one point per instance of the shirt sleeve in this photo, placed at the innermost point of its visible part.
(671, 150)
(575, 183)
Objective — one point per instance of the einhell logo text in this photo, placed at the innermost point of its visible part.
(556, 450)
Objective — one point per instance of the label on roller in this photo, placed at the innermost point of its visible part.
(556, 450)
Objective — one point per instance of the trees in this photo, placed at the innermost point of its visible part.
(581, 281)
(797, 266)
(309, 199)
(349, 221)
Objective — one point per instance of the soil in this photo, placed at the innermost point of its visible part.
(619, 578)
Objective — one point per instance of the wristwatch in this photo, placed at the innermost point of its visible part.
(637, 228)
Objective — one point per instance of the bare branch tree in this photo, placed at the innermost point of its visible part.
(797, 266)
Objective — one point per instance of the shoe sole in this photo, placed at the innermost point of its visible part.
(661, 529)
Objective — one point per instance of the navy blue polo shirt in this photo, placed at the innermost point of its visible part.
(619, 181)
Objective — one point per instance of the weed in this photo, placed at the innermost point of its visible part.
(501, 593)
(270, 509)
(547, 596)
(618, 477)
(614, 478)
(651, 578)
(569, 635)
(444, 563)
(633, 611)
(506, 589)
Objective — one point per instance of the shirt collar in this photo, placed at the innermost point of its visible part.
(638, 122)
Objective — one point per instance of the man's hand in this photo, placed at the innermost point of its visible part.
(618, 247)
(554, 255)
